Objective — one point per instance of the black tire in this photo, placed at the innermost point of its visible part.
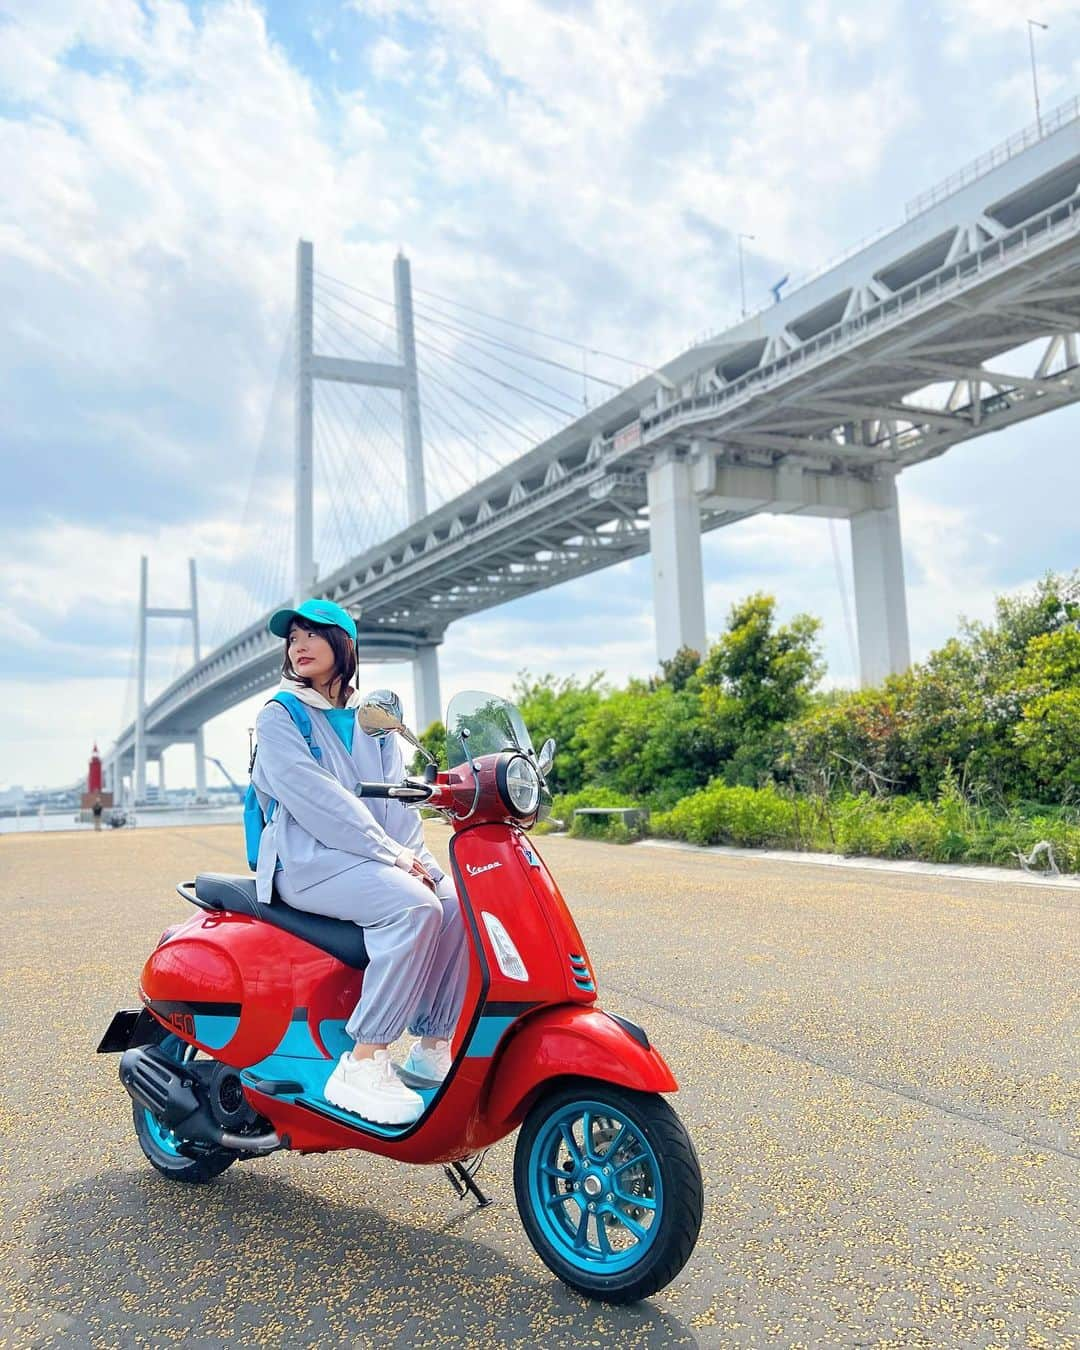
(678, 1223)
(202, 1166)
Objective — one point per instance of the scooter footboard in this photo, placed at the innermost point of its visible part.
(577, 1042)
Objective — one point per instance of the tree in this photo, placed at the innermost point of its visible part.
(995, 705)
(678, 670)
(653, 743)
(559, 707)
(1049, 738)
(434, 742)
(1048, 732)
(757, 677)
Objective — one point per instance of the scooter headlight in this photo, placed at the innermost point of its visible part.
(519, 785)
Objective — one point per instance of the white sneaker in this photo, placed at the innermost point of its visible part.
(370, 1088)
(425, 1063)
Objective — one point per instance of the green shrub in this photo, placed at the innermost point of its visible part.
(720, 814)
(1049, 739)
(433, 739)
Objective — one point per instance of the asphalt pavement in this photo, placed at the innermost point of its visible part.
(879, 1071)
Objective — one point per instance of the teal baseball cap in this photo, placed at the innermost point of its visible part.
(312, 611)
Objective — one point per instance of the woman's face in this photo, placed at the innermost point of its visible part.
(311, 655)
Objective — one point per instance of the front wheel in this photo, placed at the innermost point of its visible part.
(609, 1189)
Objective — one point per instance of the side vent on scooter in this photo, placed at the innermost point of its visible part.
(579, 969)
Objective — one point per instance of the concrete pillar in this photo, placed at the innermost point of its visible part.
(303, 527)
(880, 603)
(139, 784)
(196, 656)
(161, 776)
(426, 687)
(410, 394)
(675, 542)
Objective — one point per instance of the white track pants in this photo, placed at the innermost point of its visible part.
(416, 947)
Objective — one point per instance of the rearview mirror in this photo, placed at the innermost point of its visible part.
(381, 713)
(546, 757)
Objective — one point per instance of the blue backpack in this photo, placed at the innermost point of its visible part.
(254, 821)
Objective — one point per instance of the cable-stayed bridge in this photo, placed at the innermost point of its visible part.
(960, 321)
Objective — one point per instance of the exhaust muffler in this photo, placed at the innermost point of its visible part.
(172, 1094)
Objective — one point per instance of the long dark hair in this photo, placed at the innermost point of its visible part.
(344, 655)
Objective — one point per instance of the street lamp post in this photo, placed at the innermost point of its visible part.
(1032, 24)
(742, 278)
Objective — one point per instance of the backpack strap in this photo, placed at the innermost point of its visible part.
(254, 820)
(300, 716)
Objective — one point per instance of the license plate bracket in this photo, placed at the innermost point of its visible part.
(130, 1026)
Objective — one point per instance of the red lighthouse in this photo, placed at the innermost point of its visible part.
(95, 786)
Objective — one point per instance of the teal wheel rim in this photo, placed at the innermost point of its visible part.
(595, 1187)
(161, 1135)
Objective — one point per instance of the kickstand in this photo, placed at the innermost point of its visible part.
(464, 1184)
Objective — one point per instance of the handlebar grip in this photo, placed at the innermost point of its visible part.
(410, 792)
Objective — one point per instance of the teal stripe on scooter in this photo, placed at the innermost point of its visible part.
(214, 1030)
(334, 1036)
(489, 1032)
(298, 1041)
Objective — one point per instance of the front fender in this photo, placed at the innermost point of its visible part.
(576, 1042)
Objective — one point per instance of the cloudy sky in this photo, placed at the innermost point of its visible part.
(579, 168)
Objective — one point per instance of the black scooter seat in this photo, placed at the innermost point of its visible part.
(236, 895)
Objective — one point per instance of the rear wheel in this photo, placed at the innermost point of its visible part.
(609, 1189)
(163, 1147)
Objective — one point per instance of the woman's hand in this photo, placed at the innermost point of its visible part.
(419, 871)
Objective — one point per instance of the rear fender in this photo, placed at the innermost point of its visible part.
(576, 1042)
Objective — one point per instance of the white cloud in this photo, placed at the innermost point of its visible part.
(33, 39)
(361, 128)
(473, 80)
(158, 194)
(1004, 15)
(389, 60)
(951, 572)
(386, 9)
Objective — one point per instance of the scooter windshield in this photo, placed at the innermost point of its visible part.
(483, 724)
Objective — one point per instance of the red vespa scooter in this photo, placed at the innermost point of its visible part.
(244, 1011)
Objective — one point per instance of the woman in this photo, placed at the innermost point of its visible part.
(327, 851)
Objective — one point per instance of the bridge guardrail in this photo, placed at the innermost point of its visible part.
(1000, 154)
(904, 302)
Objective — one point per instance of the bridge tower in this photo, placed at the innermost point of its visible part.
(145, 743)
(404, 377)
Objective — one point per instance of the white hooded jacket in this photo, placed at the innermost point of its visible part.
(319, 827)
